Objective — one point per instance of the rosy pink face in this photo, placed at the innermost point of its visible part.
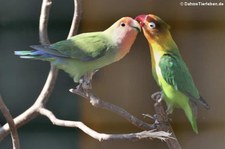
(124, 33)
(128, 23)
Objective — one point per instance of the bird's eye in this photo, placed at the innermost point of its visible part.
(152, 25)
(123, 24)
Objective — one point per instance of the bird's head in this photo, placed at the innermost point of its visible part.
(123, 32)
(127, 24)
(153, 27)
(124, 29)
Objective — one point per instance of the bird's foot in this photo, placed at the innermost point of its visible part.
(169, 109)
(86, 80)
(86, 85)
(80, 89)
(83, 87)
(157, 96)
(152, 117)
(156, 123)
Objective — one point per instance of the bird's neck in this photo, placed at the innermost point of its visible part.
(160, 46)
(122, 41)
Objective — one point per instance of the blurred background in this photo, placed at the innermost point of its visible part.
(198, 31)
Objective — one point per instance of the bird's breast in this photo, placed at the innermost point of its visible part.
(155, 58)
(124, 44)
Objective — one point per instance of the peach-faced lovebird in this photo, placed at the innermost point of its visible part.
(87, 52)
(169, 70)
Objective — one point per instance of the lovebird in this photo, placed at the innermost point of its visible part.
(88, 52)
(169, 70)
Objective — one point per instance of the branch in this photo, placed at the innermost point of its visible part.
(163, 121)
(43, 21)
(43, 37)
(97, 102)
(32, 112)
(76, 18)
(12, 127)
(102, 136)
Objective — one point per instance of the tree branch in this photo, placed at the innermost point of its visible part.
(31, 113)
(43, 21)
(163, 121)
(151, 134)
(12, 127)
(76, 18)
(97, 102)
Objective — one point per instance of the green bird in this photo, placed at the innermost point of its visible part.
(88, 52)
(169, 70)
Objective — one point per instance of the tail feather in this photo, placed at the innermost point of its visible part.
(33, 53)
(39, 55)
(27, 57)
(22, 53)
(191, 117)
(200, 100)
(204, 103)
(48, 49)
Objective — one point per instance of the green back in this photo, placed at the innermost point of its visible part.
(86, 47)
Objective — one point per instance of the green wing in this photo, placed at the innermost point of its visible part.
(86, 47)
(176, 73)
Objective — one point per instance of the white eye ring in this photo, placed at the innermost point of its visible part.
(152, 25)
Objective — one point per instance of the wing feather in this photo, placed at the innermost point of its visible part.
(86, 47)
(176, 73)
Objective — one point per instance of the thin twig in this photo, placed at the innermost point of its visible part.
(151, 134)
(43, 22)
(43, 37)
(97, 102)
(76, 18)
(12, 127)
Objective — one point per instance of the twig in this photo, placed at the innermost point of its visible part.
(163, 122)
(12, 127)
(43, 37)
(151, 134)
(97, 102)
(43, 22)
(76, 18)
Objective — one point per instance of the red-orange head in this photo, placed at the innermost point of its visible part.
(153, 27)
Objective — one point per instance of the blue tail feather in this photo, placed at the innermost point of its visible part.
(35, 54)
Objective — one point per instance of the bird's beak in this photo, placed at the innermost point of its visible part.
(136, 25)
(141, 20)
